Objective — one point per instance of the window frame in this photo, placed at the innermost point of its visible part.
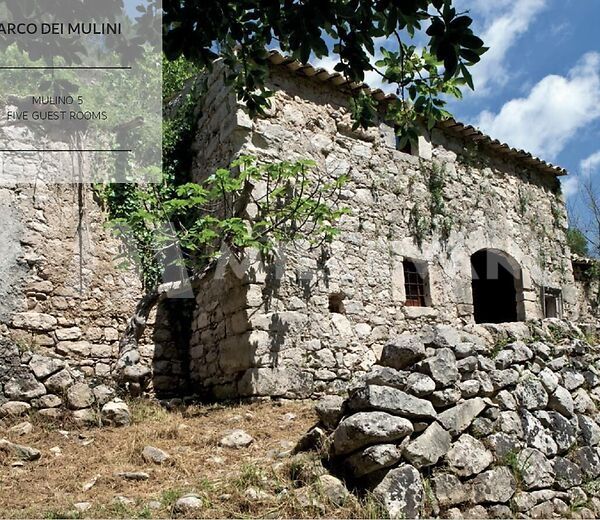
(416, 283)
(557, 295)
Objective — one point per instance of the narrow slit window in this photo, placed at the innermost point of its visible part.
(407, 148)
(415, 284)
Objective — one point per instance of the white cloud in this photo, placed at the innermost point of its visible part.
(570, 185)
(504, 21)
(590, 164)
(587, 167)
(555, 109)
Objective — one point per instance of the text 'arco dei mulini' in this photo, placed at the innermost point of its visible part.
(59, 28)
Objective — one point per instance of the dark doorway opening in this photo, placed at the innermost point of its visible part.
(496, 287)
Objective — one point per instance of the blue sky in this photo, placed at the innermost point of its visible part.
(538, 87)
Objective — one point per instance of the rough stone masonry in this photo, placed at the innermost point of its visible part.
(461, 425)
(64, 302)
(423, 221)
(420, 219)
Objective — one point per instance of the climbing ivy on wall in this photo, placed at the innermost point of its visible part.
(133, 209)
(441, 220)
(436, 218)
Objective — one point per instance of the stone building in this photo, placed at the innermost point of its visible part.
(459, 229)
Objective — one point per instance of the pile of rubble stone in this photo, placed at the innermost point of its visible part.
(56, 390)
(471, 426)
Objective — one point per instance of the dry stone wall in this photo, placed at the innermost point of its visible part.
(451, 424)
(64, 294)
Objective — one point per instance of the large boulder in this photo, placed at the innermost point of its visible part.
(510, 422)
(419, 384)
(458, 418)
(24, 388)
(590, 431)
(537, 436)
(116, 413)
(562, 431)
(572, 379)
(373, 458)
(401, 492)
(536, 470)
(449, 490)
(365, 428)
(80, 396)
(561, 401)
(59, 382)
(333, 489)
(583, 403)
(44, 366)
(522, 352)
(549, 379)
(502, 378)
(588, 461)
(391, 400)
(494, 485)
(386, 376)
(531, 394)
(428, 447)
(402, 352)
(85, 417)
(460, 340)
(503, 444)
(445, 397)
(441, 367)
(468, 456)
(329, 410)
(568, 474)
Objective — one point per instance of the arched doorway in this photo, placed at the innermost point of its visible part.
(497, 287)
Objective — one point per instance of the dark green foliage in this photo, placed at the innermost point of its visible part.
(241, 31)
(577, 241)
(223, 210)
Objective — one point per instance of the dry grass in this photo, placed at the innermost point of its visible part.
(49, 487)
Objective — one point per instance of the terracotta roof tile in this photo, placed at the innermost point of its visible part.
(450, 125)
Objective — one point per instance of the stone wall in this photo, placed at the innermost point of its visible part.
(223, 126)
(63, 298)
(498, 422)
(328, 315)
(314, 321)
(587, 288)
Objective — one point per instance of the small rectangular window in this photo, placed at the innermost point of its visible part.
(415, 283)
(552, 302)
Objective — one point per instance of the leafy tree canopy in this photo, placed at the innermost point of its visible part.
(577, 241)
(241, 31)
